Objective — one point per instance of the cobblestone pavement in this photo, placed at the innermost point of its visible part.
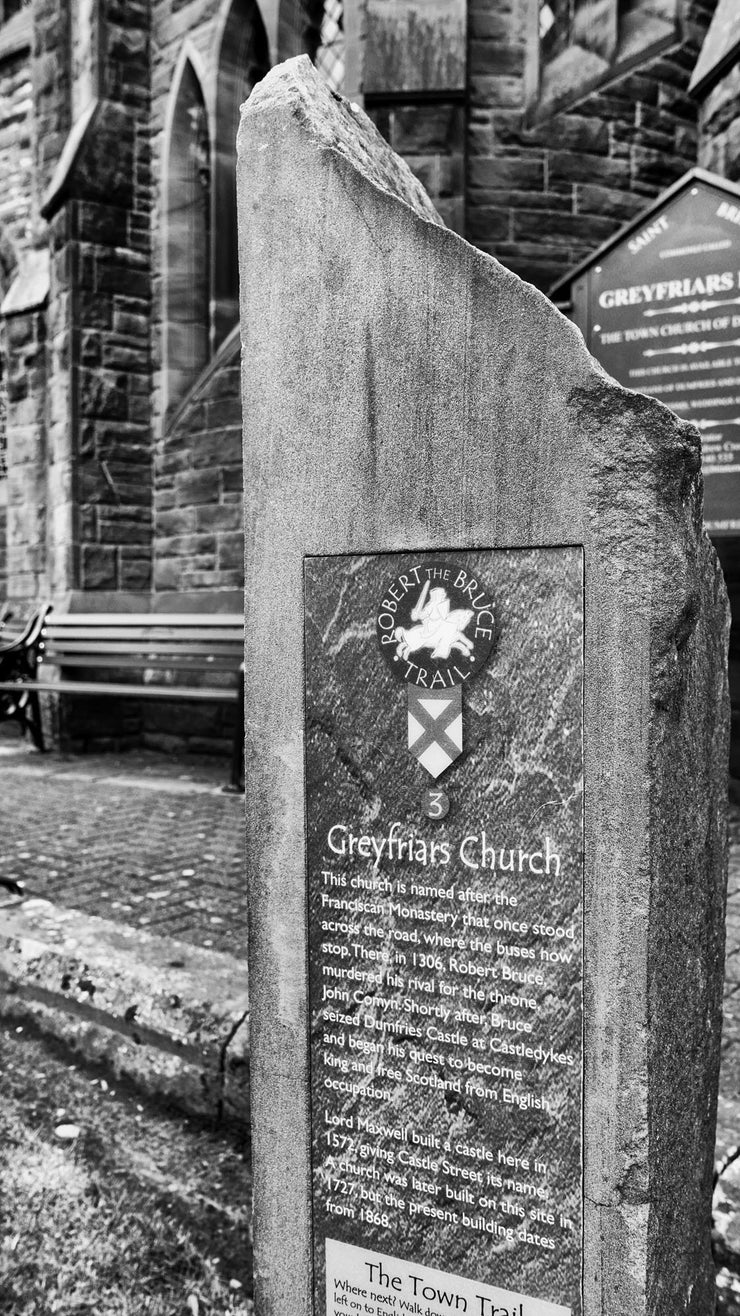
(138, 838)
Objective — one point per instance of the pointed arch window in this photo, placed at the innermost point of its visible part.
(243, 60)
(187, 238)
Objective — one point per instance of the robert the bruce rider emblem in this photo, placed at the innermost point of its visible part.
(435, 627)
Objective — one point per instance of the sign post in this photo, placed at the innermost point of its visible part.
(486, 746)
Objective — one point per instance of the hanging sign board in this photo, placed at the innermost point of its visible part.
(444, 876)
(660, 309)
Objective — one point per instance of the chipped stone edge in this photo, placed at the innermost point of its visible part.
(195, 1056)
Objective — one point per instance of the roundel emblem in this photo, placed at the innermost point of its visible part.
(435, 624)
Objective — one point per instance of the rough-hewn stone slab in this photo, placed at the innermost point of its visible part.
(169, 1016)
(404, 391)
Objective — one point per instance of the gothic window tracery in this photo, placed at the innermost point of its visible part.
(187, 238)
(243, 59)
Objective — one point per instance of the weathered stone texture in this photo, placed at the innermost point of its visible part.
(51, 87)
(431, 139)
(198, 540)
(539, 198)
(100, 306)
(20, 341)
(25, 340)
(730, 560)
(15, 159)
(467, 413)
(171, 1017)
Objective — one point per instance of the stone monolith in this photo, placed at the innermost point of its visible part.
(486, 715)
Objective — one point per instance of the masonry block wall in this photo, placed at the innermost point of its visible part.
(27, 506)
(198, 537)
(135, 501)
(52, 86)
(408, 64)
(108, 227)
(110, 356)
(539, 195)
(17, 231)
(93, 175)
(431, 138)
(541, 198)
(16, 158)
(112, 486)
(3, 540)
(52, 111)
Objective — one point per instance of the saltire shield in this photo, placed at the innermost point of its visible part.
(435, 727)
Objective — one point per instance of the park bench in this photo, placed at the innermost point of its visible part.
(176, 656)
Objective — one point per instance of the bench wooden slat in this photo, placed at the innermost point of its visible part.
(209, 693)
(143, 661)
(143, 647)
(62, 634)
(187, 646)
(91, 620)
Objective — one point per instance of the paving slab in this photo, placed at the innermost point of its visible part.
(139, 838)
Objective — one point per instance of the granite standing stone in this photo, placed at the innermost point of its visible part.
(403, 391)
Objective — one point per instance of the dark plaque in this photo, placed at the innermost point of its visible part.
(445, 858)
(415, 45)
(663, 316)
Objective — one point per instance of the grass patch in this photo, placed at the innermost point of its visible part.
(143, 1214)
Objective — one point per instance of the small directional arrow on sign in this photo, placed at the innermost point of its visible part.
(435, 727)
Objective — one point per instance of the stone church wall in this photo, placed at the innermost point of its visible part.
(95, 196)
(120, 483)
(541, 197)
(719, 151)
(144, 493)
(173, 24)
(16, 235)
(198, 539)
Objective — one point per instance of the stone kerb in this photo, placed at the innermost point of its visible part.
(403, 391)
(171, 1017)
